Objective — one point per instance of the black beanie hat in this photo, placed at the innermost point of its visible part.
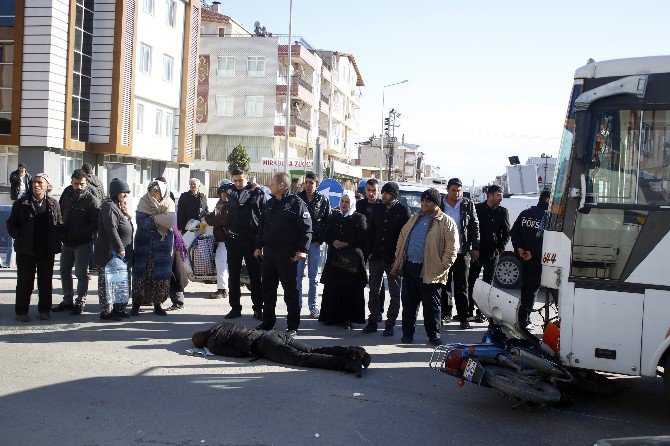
(431, 194)
(392, 188)
(116, 186)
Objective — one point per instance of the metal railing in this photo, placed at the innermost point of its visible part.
(325, 98)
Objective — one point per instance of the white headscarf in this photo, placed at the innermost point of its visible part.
(352, 200)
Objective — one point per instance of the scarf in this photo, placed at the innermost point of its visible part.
(162, 212)
(352, 202)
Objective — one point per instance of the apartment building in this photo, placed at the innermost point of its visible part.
(109, 82)
(242, 89)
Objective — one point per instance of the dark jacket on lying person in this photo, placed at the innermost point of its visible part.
(230, 339)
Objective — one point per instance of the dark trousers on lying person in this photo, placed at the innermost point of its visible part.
(415, 292)
(279, 266)
(283, 349)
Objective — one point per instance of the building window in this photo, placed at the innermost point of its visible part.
(159, 122)
(139, 118)
(256, 66)
(222, 31)
(6, 75)
(148, 6)
(225, 66)
(9, 159)
(170, 12)
(81, 70)
(253, 106)
(224, 105)
(69, 161)
(168, 125)
(145, 58)
(168, 63)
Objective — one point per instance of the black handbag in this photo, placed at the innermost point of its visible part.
(346, 259)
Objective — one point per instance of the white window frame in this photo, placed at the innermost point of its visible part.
(139, 118)
(226, 72)
(253, 106)
(224, 105)
(169, 124)
(148, 6)
(170, 13)
(253, 62)
(145, 58)
(159, 123)
(168, 68)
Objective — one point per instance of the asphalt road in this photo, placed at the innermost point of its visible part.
(79, 381)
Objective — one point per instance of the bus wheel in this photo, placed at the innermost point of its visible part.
(507, 272)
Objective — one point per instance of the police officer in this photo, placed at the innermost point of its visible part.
(284, 240)
(527, 241)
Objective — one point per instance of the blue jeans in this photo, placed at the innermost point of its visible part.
(313, 261)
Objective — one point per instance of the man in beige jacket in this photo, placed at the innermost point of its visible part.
(426, 249)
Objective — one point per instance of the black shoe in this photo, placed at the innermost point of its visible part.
(158, 310)
(258, 315)
(388, 331)
(45, 316)
(436, 341)
(63, 306)
(110, 317)
(233, 314)
(370, 328)
(174, 307)
(265, 327)
(407, 339)
(292, 333)
(360, 353)
(135, 310)
(76, 310)
(455, 317)
(22, 318)
(465, 325)
(121, 314)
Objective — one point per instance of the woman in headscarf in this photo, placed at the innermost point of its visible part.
(344, 276)
(154, 243)
(115, 237)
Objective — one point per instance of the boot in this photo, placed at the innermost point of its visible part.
(159, 310)
(371, 327)
(135, 310)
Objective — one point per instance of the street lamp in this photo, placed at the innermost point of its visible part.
(381, 144)
(288, 89)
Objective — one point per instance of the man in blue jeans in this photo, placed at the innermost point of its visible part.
(318, 207)
(80, 222)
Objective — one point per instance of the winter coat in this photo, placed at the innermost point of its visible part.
(319, 211)
(469, 225)
(440, 248)
(286, 224)
(229, 339)
(15, 183)
(526, 232)
(362, 207)
(148, 240)
(190, 207)
(350, 230)
(248, 206)
(115, 234)
(80, 217)
(384, 227)
(493, 229)
(220, 219)
(20, 225)
(96, 187)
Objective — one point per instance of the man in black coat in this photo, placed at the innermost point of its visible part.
(462, 210)
(493, 236)
(384, 225)
(80, 223)
(19, 182)
(284, 240)
(94, 182)
(36, 226)
(318, 207)
(527, 234)
(364, 206)
(191, 205)
(229, 339)
(246, 203)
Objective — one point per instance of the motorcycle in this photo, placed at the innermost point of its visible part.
(512, 360)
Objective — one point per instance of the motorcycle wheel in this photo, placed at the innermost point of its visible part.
(524, 388)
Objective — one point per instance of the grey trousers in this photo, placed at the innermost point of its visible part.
(77, 257)
(377, 269)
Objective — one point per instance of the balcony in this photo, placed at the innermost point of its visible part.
(325, 98)
(323, 133)
(298, 91)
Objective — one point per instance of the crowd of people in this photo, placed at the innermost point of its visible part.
(423, 256)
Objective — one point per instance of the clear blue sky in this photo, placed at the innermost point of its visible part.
(487, 79)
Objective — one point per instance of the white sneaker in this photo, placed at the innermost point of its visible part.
(314, 312)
